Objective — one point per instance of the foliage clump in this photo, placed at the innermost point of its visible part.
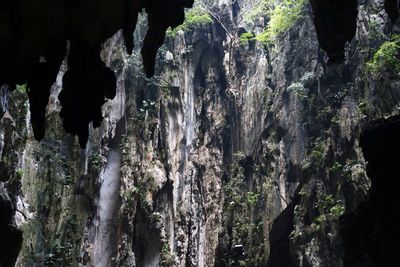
(246, 228)
(193, 18)
(336, 167)
(21, 88)
(246, 37)
(298, 88)
(148, 108)
(166, 257)
(282, 16)
(385, 57)
(317, 153)
(329, 208)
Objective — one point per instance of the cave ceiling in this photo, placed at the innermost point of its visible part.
(34, 35)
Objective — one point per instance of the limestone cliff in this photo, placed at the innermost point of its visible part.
(243, 150)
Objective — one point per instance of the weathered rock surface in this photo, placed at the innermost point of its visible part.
(37, 35)
(234, 154)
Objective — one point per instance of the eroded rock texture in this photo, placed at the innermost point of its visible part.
(34, 43)
(235, 153)
(35, 37)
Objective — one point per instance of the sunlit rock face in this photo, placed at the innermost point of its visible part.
(240, 151)
(335, 23)
(35, 43)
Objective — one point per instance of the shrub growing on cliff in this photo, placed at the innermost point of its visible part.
(385, 57)
(336, 167)
(21, 88)
(246, 37)
(330, 208)
(281, 18)
(193, 18)
(166, 257)
(297, 88)
(149, 109)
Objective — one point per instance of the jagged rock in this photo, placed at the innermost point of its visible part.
(370, 233)
(235, 153)
(36, 46)
(335, 23)
(34, 40)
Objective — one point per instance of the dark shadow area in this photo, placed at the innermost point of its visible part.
(371, 233)
(85, 86)
(34, 37)
(280, 253)
(10, 236)
(392, 9)
(146, 243)
(335, 22)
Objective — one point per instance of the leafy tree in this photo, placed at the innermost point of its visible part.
(385, 57)
(193, 18)
(282, 16)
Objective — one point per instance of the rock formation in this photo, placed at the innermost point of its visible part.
(247, 147)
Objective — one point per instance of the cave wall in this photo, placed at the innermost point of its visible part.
(35, 46)
(370, 234)
(11, 236)
(37, 36)
(233, 154)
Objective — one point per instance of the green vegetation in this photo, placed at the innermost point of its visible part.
(233, 193)
(193, 18)
(166, 257)
(336, 167)
(308, 76)
(282, 17)
(19, 174)
(96, 162)
(362, 106)
(240, 212)
(317, 153)
(148, 107)
(69, 179)
(246, 37)
(329, 208)
(137, 194)
(375, 31)
(258, 10)
(335, 119)
(252, 199)
(64, 249)
(386, 57)
(297, 88)
(21, 89)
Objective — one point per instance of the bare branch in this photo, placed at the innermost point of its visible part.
(217, 19)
